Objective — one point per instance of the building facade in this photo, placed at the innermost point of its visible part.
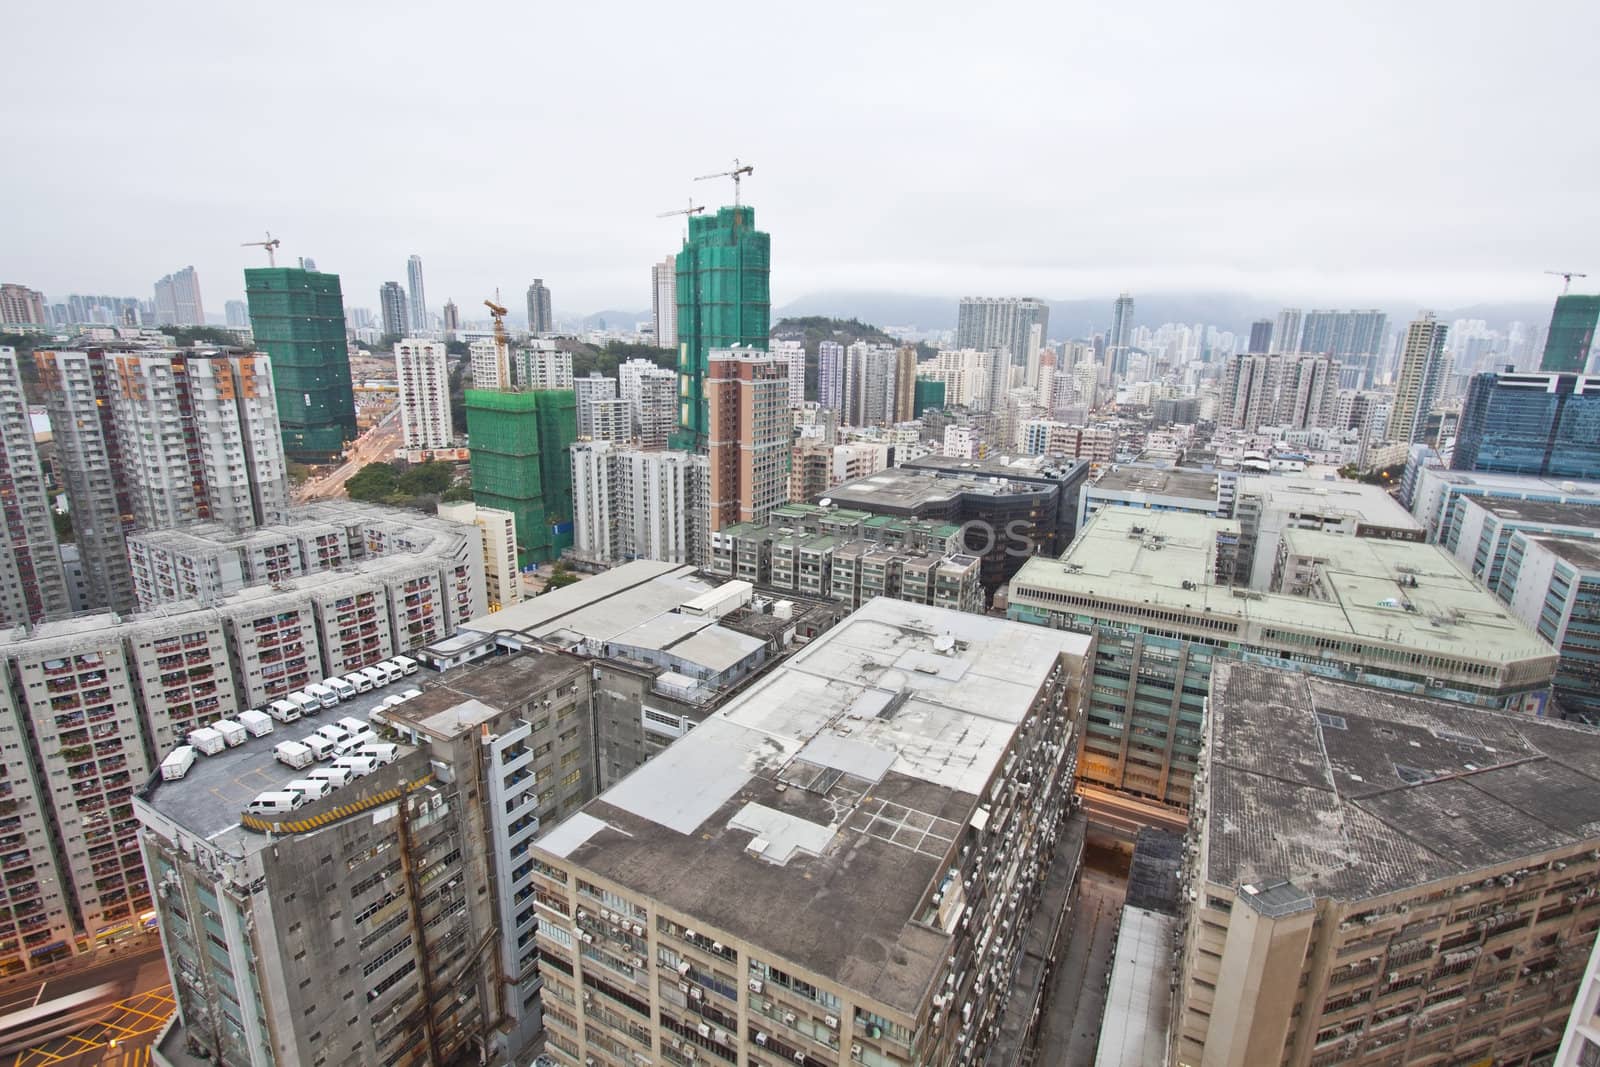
(395, 308)
(1571, 336)
(178, 299)
(1535, 423)
(33, 584)
(418, 320)
(519, 443)
(651, 393)
(748, 442)
(540, 320)
(424, 376)
(1418, 379)
(664, 302)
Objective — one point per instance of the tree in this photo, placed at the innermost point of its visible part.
(185, 336)
(374, 483)
(63, 524)
(456, 494)
(560, 577)
(427, 479)
(298, 473)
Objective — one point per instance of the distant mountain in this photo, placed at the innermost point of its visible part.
(615, 320)
(1082, 318)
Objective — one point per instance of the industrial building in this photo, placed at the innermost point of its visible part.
(1537, 423)
(1553, 585)
(1159, 489)
(1482, 527)
(1440, 496)
(1266, 505)
(1375, 878)
(1159, 590)
(840, 865)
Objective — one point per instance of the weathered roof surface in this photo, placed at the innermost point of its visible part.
(1133, 1032)
(1350, 792)
(812, 815)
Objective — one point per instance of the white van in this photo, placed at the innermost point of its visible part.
(333, 734)
(360, 680)
(334, 776)
(255, 723)
(308, 704)
(310, 788)
(324, 694)
(293, 754)
(358, 766)
(351, 724)
(352, 745)
(408, 694)
(381, 754)
(284, 710)
(177, 763)
(393, 700)
(376, 679)
(391, 670)
(406, 664)
(343, 686)
(321, 748)
(277, 802)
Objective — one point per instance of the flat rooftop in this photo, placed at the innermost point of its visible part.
(1369, 503)
(601, 607)
(1157, 481)
(210, 798)
(1582, 553)
(911, 489)
(1133, 1031)
(462, 699)
(1516, 483)
(1145, 558)
(1027, 467)
(1540, 512)
(812, 815)
(1350, 792)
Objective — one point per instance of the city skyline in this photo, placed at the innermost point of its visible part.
(1343, 231)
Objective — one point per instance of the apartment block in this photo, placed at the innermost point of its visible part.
(33, 584)
(36, 927)
(501, 578)
(679, 913)
(541, 364)
(1376, 879)
(273, 643)
(652, 394)
(1158, 588)
(421, 367)
(632, 503)
(747, 395)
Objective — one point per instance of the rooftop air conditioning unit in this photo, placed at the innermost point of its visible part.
(761, 1037)
(756, 985)
(832, 1021)
(789, 1017)
(704, 1029)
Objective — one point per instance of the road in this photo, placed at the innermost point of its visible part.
(377, 445)
(121, 1035)
(1071, 1027)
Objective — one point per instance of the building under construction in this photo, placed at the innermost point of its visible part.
(520, 463)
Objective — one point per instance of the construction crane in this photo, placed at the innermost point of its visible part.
(692, 209)
(502, 341)
(738, 171)
(270, 244)
(1566, 276)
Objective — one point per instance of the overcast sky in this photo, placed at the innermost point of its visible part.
(1439, 152)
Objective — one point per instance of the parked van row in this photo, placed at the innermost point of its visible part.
(230, 733)
(353, 750)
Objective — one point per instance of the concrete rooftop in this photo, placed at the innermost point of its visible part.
(812, 815)
(1353, 793)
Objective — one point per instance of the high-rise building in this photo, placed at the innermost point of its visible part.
(1287, 330)
(33, 584)
(419, 301)
(830, 375)
(1159, 589)
(1298, 392)
(519, 443)
(540, 321)
(178, 299)
(452, 320)
(723, 277)
(77, 385)
(651, 392)
(868, 385)
(748, 397)
(502, 581)
(630, 503)
(396, 313)
(1260, 337)
(1347, 901)
(1571, 336)
(905, 385)
(794, 352)
(1120, 339)
(199, 437)
(541, 365)
(664, 302)
(1534, 423)
(1417, 384)
(489, 359)
(773, 977)
(238, 314)
(1345, 335)
(1003, 326)
(585, 392)
(297, 319)
(21, 306)
(424, 377)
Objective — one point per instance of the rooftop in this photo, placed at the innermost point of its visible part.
(1351, 793)
(1133, 1032)
(1136, 557)
(208, 801)
(1540, 512)
(601, 607)
(1028, 468)
(1582, 553)
(468, 696)
(1158, 481)
(1370, 503)
(1516, 483)
(909, 489)
(813, 813)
